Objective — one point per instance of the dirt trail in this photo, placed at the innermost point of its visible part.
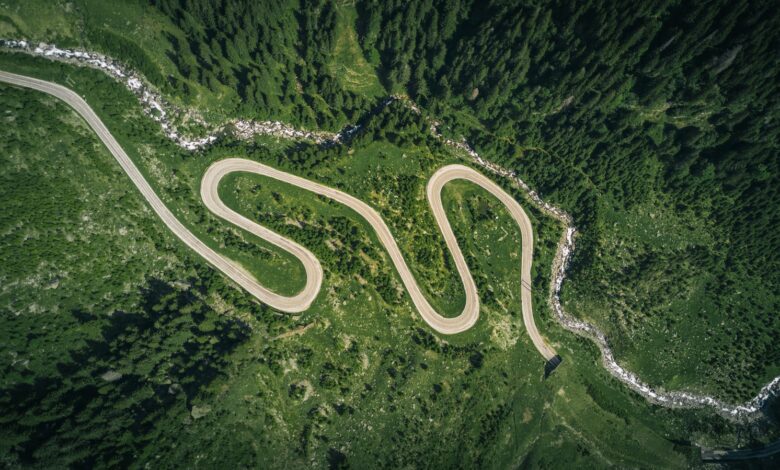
(445, 325)
(313, 269)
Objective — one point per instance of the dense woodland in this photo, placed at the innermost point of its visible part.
(250, 47)
(609, 106)
(604, 107)
(655, 125)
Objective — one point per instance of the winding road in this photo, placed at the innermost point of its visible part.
(313, 269)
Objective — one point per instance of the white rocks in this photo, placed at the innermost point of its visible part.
(198, 412)
(247, 129)
(111, 376)
(134, 84)
(156, 107)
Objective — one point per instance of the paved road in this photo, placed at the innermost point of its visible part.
(304, 299)
(294, 304)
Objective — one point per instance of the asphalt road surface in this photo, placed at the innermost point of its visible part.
(314, 273)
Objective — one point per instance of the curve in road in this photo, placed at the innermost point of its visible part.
(313, 269)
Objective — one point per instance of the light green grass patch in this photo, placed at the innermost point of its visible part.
(347, 61)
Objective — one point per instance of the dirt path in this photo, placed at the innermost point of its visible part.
(313, 269)
(445, 325)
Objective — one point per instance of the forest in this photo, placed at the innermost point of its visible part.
(251, 48)
(662, 113)
(654, 125)
(608, 108)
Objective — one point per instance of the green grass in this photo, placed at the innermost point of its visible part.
(667, 256)
(66, 200)
(394, 393)
(347, 60)
(656, 225)
(40, 19)
(380, 174)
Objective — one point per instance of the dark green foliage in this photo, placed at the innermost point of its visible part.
(117, 46)
(167, 356)
(101, 350)
(659, 116)
(609, 106)
(274, 55)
